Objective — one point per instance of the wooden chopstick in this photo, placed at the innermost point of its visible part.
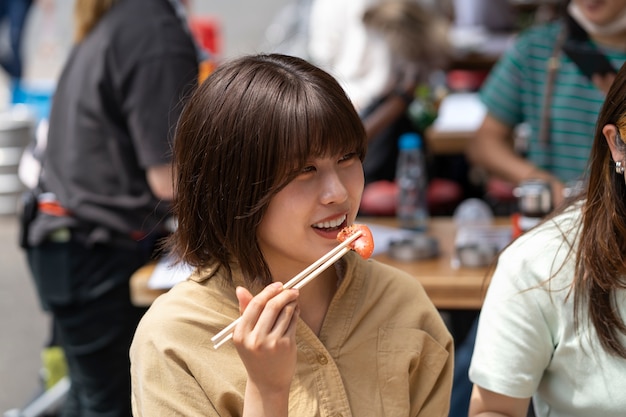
(299, 281)
(322, 260)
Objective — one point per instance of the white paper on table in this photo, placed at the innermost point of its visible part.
(460, 112)
(166, 274)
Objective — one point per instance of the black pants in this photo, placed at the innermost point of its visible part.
(86, 290)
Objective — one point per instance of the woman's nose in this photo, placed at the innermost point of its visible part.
(334, 190)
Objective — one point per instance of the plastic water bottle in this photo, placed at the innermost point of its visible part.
(412, 208)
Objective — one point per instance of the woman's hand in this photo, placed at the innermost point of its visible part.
(603, 82)
(265, 339)
(409, 76)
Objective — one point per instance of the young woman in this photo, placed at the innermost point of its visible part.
(552, 325)
(268, 159)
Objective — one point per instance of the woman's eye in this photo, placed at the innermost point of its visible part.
(307, 169)
(348, 156)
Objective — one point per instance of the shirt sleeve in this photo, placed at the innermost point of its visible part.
(517, 324)
(502, 91)
(162, 383)
(154, 102)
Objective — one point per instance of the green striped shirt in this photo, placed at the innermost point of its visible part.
(513, 93)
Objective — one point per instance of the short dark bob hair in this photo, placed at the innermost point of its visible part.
(244, 134)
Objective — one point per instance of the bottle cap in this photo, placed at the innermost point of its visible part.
(410, 140)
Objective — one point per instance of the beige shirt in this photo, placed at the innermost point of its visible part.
(383, 350)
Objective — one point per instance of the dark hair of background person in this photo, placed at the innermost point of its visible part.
(248, 131)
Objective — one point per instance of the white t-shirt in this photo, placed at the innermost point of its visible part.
(527, 344)
(340, 43)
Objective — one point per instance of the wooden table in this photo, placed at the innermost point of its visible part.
(140, 293)
(449, 288)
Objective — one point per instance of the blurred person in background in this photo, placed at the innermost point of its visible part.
(103, 199)
(380, 51)
(547, 80)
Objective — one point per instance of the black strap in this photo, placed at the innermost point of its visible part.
(572, 39)
(574, 30)
(579, 48)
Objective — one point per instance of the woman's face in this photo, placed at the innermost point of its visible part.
(601, 12)
(303, 219)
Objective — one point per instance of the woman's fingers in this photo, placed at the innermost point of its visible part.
(277, 313)
(253, 306)
(244, 296)
(268, 313)
(287, 319)
(265, 338)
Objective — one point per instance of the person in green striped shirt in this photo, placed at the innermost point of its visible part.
(537, 83)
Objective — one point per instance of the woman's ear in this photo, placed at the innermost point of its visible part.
(615, 142)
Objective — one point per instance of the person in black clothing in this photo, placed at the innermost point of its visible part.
(105, 187)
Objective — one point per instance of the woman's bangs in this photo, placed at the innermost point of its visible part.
(331, 130)
(310, 122)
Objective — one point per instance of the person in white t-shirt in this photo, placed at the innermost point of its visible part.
(552, 327)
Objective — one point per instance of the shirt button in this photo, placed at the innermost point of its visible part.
(322, 359)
